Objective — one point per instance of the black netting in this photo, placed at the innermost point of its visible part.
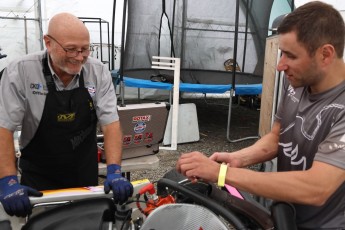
(203, 36)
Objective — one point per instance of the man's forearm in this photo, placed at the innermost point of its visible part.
(263, 150)
(7, 154)
(113, 142)
(261, 154)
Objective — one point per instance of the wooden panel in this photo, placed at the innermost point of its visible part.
(268, 85)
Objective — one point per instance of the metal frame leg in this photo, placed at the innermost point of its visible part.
(229, 124)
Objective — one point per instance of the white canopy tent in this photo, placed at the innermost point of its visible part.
(23, 23)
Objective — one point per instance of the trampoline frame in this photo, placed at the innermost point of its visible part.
(202, 88)
(232, 86)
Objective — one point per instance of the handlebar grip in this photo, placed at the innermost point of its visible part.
(284, 216)
(69, 194)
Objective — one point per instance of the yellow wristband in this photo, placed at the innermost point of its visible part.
(222, 175)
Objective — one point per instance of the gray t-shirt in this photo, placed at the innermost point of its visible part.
(23, 92)
(313, 128)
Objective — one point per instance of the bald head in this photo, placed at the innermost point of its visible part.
(66, 35)
(64, 25)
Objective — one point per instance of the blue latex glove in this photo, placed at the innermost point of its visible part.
(15, 197)
(122, 188)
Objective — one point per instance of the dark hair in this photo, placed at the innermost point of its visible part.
(316, 24)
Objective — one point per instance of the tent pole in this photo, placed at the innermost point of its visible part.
(183, 32)
(172, 48)
(245, 36)
(39, 12)
(122, 85)
(112, 37)
(235, 44)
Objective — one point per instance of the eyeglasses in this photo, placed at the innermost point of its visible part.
(72, 52)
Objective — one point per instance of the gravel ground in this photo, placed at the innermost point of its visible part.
(212, 120)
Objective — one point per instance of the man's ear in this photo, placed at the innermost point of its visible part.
(46, 41)
(328, 53)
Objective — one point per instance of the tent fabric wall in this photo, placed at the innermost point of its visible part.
(20, 29)
(15, 38)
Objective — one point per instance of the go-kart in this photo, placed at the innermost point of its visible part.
(172, 203)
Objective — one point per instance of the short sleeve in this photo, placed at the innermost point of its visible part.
(104, 97)
(332, 149)
(12, 98)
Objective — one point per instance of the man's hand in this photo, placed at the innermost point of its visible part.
(226, 157)
(122, 188)
(15, 197)
(197, 165)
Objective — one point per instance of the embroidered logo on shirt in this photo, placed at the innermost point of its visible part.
(292, 93)
(36, 86)
(68, 117)
(92, 90)
(91, 105)
(38, 89)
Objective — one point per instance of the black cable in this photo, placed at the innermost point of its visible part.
(169, 27)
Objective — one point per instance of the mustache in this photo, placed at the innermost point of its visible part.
(76, 62)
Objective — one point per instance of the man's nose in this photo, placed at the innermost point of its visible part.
(282, 66)
(80, 56)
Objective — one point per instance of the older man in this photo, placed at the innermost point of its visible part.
(57, 96)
